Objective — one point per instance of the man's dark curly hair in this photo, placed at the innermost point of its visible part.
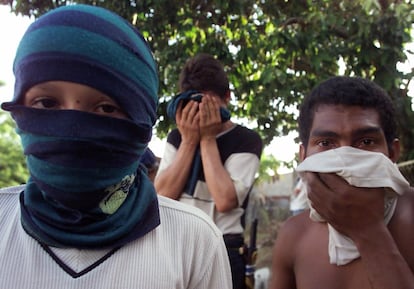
(204, 73)
(350, 91)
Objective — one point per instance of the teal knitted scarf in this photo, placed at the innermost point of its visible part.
(87, 189)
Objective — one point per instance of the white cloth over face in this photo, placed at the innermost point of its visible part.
(299, 201)
(359, 168)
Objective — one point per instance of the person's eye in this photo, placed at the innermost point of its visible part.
(111, 110)
(44, 103)
(366, 142)
(325, 143)
(107, 108)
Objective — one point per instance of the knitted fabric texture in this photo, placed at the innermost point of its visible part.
(91, 46)
(86, 188)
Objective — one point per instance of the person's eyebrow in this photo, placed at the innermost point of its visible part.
(323, 133)
(357, 132)
(368, 130)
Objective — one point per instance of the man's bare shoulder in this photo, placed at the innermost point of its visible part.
(401, 226)
(293, 232)
(300, 243)
(409, 194)
(404, 213)
(296, 224)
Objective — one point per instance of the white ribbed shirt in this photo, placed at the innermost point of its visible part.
(185, 251)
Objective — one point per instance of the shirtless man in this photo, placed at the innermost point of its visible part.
(345, 111)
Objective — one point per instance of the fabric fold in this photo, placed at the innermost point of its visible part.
(194, 95)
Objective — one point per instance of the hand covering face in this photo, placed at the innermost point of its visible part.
(359, 168)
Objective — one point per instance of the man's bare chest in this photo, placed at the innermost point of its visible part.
(313, 270)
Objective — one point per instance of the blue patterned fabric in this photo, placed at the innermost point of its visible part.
(148, 159)
(195, 96)
(86, 188)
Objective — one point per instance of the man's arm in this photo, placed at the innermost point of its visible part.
(171, 181)
(283, 276)
(359, 214)
(218, 180)
(387, 268)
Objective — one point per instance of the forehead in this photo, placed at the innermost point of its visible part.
(344, 119)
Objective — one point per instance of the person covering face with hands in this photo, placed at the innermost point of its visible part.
(209, 161)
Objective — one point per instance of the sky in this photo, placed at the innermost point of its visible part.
(12, 29)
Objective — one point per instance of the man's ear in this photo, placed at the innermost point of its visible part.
(302, 152)
(394, 150)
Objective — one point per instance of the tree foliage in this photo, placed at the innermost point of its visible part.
(268, 169)
(13, 169)
(275, 51)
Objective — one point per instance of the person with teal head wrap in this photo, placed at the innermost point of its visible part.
(84, 104)
(210, 162)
